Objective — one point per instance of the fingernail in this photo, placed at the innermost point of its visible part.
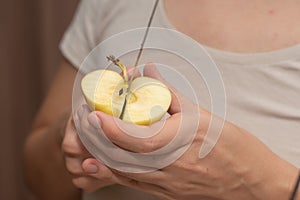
(94, 120)
(91, 169)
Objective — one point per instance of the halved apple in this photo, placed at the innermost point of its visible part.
(147, 101)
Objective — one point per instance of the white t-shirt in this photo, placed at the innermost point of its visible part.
(262, 89)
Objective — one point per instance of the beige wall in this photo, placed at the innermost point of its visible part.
(29, 35)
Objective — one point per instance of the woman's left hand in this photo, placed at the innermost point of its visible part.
(238, 167)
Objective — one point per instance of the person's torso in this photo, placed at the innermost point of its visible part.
(262, 89)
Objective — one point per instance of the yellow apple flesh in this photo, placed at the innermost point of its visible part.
(147, 101)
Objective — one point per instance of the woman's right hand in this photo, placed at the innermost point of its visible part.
(87, 173)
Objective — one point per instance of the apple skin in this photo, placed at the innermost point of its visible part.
(147, 102)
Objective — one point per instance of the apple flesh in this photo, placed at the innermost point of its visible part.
(147, 101)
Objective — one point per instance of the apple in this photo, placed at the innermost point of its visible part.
(105, 90)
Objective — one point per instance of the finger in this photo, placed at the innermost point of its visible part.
(73, 166)
(89, 184)
(178, 99)
(98, 170)
(114, 130)
(71, 144)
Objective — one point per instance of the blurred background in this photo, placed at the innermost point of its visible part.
(29, 36)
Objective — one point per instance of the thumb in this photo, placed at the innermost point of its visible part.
(131, 71)
(151, 70)
(178, 99)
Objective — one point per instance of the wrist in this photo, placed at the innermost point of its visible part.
(279, 181)
(295, 192)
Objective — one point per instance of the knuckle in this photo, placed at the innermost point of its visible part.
(73, 166)
(69, 148)
(85, 183)
(148, 146)
(188, 166)
(106, 177)
(178, 164)
(113, 133)
(133, 183)
(73, 147)
(66, 147)
(81, 183)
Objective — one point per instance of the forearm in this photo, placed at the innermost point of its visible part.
(268, 175)
(282, 182)
(265, 175)
(44, 165)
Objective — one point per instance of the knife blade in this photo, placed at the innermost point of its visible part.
(135, 69)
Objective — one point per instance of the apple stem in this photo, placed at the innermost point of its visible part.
(117, 62)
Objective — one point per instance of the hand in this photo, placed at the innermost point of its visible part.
(238, 167)
(88, 173)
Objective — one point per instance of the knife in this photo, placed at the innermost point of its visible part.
(135, 69)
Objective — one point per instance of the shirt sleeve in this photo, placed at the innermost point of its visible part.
(81, 36)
